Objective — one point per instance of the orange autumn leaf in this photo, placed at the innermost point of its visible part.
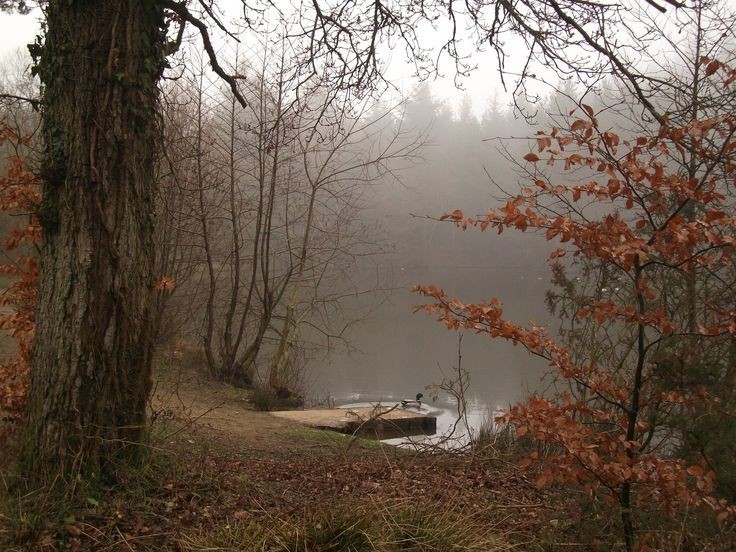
(165, 283)
(19, 192)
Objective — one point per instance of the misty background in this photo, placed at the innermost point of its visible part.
(471, 145)
(396, 352)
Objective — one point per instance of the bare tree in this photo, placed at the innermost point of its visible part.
(100, 64)
(277, 210)
(339, 161)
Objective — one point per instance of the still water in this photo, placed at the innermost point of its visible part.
(454, 430)
(400, 353)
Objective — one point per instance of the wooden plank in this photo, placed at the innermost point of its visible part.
(380, 422)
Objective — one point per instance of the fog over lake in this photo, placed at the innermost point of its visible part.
(400, 352)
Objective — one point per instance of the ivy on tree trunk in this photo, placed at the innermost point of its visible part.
(90, 376)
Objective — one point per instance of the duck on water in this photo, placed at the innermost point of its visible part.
(412, 404)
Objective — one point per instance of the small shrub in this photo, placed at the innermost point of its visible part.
(495, 438)
(264, 399)
(243, 534)
(328, 533)
(332, 533)
(438, 529)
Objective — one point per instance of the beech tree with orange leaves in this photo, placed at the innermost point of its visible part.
(19, 194)
(642, 218)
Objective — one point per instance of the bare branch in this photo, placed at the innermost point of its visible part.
(186, 16)
(11, 98)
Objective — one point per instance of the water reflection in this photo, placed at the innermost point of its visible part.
(453, 429)
(395, 353)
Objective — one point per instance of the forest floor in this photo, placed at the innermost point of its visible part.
(291, 476)
(222, 476)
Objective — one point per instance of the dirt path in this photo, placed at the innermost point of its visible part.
(310, 463)
(226, 477)
(190, 399)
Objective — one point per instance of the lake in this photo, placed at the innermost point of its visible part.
(401, 353)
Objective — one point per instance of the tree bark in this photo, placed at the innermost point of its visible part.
(90, 377)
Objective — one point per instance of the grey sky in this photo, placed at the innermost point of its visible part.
(19, 30)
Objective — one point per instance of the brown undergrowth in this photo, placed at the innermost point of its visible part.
(220, 476)
(199, 491)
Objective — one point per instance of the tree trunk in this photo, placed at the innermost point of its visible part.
(289, 330)
(91, 365)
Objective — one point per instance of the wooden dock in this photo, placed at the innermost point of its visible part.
(380, 422)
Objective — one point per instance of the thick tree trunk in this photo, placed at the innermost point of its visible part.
(90, 376)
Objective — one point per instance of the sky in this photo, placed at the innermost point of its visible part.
(483, 84)
(19, 30)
